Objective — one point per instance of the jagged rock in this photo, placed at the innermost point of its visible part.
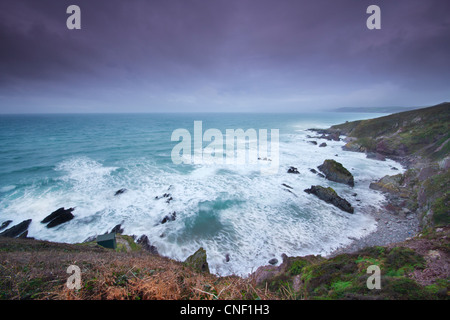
(120, 191)
(330, 196)
(18, 231)
(287, 186)
(146, 245)
(336, 172)
(323, 144)
(58, 217)
(170, 217)
(198, 261)
(5, 224)
(117, 229)
(293, 170)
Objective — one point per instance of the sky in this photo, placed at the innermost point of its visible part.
(222, 55)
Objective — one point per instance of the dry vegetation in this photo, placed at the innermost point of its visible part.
(31, 269)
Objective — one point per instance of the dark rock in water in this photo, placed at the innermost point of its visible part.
(273, 261)
(330, 196)
(198, 261)
(117, 229)
(18, 231)
(394, 168)
(168, 200)
(335, 171)
(313, 170)
(120, 191)
(170, 217)
(293, 170)
(90, 239)
(287, 186)
(165, 195)
(320, 175)
(323, 144)
(227, 257)
(146, 245)
(58, 217)
(5, 224)
(313, 142)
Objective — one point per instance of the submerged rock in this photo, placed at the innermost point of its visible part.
(18, 231)
(120, 191)
(198, 261)
(330, 196)
(336, 172)
(293, 170)
(170, 217)
(58, 217)
(323, 144)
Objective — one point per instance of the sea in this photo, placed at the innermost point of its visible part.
(242, 216)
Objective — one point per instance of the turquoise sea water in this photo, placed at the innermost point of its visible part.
(53, 161)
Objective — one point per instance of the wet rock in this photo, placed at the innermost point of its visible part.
(293, 170)
(120, 191)
(58, 217)
(273, 261)
(287, 186)
(198, 261)
(170, 217)
(5, 224)
(330, 196)
(18, 231)
(146, 245)
(227, 257)
(323, 144)
(117, 229)
(336, 172)
(313, 142)
(313, 170)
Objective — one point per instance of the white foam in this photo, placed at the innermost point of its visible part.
(262, 221)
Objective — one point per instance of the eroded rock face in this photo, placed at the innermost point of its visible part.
(336, 172)
(198, 261)
(330, 196)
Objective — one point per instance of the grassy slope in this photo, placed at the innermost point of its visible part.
(423, 132)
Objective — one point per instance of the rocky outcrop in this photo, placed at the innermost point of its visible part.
(146, 245)
(18, 231)
(336, 172)
(198, 261)
(330, 196)
(58, 217)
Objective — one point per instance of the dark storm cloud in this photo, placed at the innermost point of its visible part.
(220, 55)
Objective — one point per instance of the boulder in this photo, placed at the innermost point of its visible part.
(18, 231)
(330, 196)
(273, 261)
(389, 184)
(58, 217)
(336, 172)
(323, 144)
(198, 261)
(146, 245)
